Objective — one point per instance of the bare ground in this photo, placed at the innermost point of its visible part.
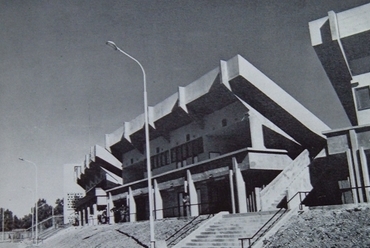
(335, 226)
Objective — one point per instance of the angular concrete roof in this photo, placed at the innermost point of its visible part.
(235, 79)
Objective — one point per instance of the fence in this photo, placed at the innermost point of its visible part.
(44, 226)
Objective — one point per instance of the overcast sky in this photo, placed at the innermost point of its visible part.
(62, 89)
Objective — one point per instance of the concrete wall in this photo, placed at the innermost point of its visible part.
(294, 178)
(268, 161)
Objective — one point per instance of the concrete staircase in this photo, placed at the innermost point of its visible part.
(295, 177)
(49, 232)
(226, 229)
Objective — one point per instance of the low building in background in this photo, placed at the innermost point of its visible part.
(72, 192)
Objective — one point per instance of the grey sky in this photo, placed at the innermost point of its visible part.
(62, 89)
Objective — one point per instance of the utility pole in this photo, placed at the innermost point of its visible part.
(52, 214)
(2, 210)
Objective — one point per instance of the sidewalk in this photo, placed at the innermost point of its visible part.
(23, 244)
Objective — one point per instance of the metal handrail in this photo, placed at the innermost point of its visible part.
(184, 229)
(258, 232)
(178, 231)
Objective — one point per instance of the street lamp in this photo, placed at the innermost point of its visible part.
(33, 196)
(151, 219)
(36, 195)
(2, 210)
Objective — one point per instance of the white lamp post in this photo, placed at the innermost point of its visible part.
(36, 195)
(149, 171)
(33, 196)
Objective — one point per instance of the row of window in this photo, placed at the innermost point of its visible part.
(179, 153)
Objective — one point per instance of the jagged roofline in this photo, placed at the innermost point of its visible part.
(234, 74)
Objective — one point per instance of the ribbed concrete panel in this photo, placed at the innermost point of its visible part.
(109, 176)
(271, 101)
(200, 87)
(107, 160)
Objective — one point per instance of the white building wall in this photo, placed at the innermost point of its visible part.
(71, 190)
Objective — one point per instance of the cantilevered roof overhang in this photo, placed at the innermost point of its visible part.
(106, 160)
(234, 79)
(256, 89)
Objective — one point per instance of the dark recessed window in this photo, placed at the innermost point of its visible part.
(224, 122)
(132, 161)
(363, 98)
(187, 137)
(157, 149)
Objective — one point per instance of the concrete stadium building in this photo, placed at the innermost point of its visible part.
(232, 140)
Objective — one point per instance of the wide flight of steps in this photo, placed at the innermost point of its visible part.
(226, 230)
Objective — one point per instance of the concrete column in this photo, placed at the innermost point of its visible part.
(194, 205)
(131, 205)
(354, 148)
(365, 172)
(158, 202)
(351, 175)
(110, 206)
(88, 216)
(95, 215)
(80, 218)
(84, 222)
(240, 188)
(258, 199)
(256, 131)
(231, 179)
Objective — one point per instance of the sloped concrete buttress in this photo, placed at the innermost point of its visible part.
(240, 188)
(356, 166)
(365, 172)
(231, 179)
(194, 207)
(110, 205)
(258, 198)
(256, 131)
(132, 205)
(158, 202)
(351, 175)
